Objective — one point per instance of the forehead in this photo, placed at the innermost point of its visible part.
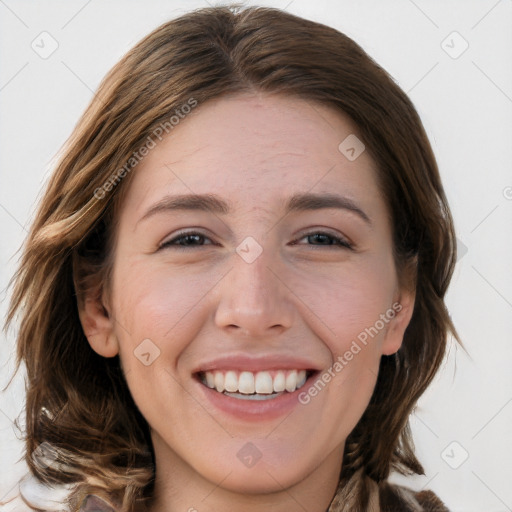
(252, 149)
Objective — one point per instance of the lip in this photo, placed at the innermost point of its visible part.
(254, 410)
(256, 364)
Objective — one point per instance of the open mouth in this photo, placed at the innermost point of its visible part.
(261, 385)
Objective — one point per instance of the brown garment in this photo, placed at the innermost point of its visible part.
(399, 498)
(385, 497)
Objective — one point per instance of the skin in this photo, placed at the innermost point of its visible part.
(306, 299)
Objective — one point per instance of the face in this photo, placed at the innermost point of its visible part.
(250, 323)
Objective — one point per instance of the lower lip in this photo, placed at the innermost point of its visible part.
(255, 410)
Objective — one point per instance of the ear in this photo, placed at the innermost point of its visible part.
(400, 314)
(98, 325)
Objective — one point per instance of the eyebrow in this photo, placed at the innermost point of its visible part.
(214, 204)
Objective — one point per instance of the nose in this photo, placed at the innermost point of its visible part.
(254, 299)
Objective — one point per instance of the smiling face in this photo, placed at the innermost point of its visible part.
(284, 272)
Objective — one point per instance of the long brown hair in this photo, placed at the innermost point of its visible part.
(78, 403)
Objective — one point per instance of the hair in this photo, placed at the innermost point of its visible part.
(78, 403)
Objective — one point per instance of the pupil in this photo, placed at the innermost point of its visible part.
(188, 238)
(319, 237)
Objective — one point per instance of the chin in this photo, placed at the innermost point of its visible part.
(276, 468)
(257, 481)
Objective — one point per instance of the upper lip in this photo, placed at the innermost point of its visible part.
(255, 364)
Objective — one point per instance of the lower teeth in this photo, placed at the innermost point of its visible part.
(254, 396)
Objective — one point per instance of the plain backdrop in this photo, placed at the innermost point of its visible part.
(453, 58)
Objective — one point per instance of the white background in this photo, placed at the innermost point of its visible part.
(466, 106)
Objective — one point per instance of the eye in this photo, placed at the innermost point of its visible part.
(326, 239)
(195, 239)
(185, 240)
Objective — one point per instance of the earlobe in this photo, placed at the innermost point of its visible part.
(98, 327)
(403, 309)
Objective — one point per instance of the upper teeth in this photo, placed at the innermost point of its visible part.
(265, 382)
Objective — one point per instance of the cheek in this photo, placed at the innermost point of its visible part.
(151, 303)
(158, 314)
(348, 308)
(355, 308)
(349, 300)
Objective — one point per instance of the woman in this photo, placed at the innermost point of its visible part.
(232, 293)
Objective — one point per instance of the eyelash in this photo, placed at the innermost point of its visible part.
(338, 242)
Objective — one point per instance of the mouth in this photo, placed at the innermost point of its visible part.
(261, 385)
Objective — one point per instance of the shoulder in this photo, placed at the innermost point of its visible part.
(395, 498)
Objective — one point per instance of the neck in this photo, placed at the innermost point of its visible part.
(179, 487)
